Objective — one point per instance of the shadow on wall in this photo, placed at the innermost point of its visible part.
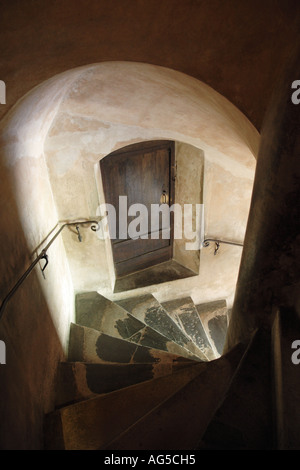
(35, 323)
(33, 348)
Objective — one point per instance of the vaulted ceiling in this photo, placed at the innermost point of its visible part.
(236, 47)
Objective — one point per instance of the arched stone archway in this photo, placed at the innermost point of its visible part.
(54, 137)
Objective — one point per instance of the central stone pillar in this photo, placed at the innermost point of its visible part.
(270, 267)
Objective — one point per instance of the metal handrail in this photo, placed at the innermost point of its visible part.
(43, 255)
(207, 242)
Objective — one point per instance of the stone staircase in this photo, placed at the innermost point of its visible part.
(142, 375)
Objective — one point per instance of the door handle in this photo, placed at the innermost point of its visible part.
(164, 198)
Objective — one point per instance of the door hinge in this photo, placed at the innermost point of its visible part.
(174, 172)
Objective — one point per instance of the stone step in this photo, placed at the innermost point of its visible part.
(148, 310)
(186, 315)
(214, 318)
(77, 381)
(96, 311)
(92, 424)
(89, 345)
(152, 339)
(180, 421)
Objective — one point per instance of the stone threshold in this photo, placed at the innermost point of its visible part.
(164, 272)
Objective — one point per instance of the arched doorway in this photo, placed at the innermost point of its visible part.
(55, 136)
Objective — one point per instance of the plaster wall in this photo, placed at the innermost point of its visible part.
(22, 137)
(35, 322)
(188, 190)
(111, 105)
(235, 47)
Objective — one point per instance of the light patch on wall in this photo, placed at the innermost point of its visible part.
(64, 159)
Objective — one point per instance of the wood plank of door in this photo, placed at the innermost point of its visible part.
(141, 172)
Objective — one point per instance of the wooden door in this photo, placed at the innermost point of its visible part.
(144, 174)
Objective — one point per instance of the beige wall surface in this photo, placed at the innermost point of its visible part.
(111, 105)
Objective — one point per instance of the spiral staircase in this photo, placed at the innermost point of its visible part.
(145, 375)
